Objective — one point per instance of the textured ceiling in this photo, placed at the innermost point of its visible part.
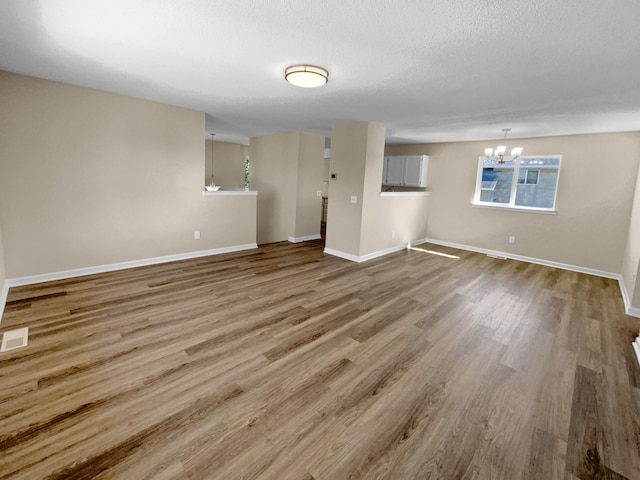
(429, 71)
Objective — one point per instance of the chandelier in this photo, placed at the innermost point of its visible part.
(498, 153)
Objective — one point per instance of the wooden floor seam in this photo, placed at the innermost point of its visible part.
(283, 362)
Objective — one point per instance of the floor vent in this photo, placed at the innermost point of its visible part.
(14, 339)
(496, 256)
(636, 348)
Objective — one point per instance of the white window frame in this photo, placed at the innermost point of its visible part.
(514, 184)
(526, 176)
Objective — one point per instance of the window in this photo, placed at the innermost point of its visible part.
(528, 183)
(528, 177)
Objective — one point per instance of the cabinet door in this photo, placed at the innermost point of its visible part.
(394, 170)
(415, 171)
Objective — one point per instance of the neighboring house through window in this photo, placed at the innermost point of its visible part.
(528, 183)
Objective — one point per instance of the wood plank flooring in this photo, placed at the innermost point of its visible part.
(286, 363)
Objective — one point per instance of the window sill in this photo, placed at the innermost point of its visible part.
(229, 191)
(405, 194)
(515, 209)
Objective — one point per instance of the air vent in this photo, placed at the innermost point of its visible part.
(14, 339)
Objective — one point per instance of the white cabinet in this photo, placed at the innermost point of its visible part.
(393, 171)
(405, 171)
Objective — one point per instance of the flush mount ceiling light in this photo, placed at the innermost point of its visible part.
(306, 76)
(501, 149)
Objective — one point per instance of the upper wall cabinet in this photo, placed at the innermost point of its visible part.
(405, 171)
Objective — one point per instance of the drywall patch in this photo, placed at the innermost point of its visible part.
(13, 339)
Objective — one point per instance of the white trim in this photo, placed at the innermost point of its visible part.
(230, 191)
(304, 239)
(381, 253)
(3, 297)
(371, 256)
(418, 242)
(405, 194)
(79, 272)
(338, 253)
(636, 348)
(625, 294)
(504, 206)
(631, 311)
(522, 258)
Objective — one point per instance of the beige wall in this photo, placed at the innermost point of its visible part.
(595, 193)
(310, 176)
(325, 176)
(406, 217)
(366, 227)
(348, 161)
(3, 275)
(90, 178)
(274, 173)
(228, 164)
(286, 170)
(630, 263)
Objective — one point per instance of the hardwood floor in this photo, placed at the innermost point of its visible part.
(285, 363)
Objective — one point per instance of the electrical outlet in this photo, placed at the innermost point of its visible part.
(196, 235)
(393, 234)
(512, 239)
(354, 199)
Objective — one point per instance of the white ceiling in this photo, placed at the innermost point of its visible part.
(427, 70)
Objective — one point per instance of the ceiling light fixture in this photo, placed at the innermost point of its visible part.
(500, 150)
(306, 76)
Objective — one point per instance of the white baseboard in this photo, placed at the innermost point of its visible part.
(636, 348)
(338, 253)
(3, 297)
(631, 311)
(370, 256)
(79, 272)
(522, 258)
(304, 239)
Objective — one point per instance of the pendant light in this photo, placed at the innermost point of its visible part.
(212, 187)
(498, 154)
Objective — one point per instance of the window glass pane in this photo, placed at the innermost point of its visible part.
(532, 177)
(496, 183)
(538, 188)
